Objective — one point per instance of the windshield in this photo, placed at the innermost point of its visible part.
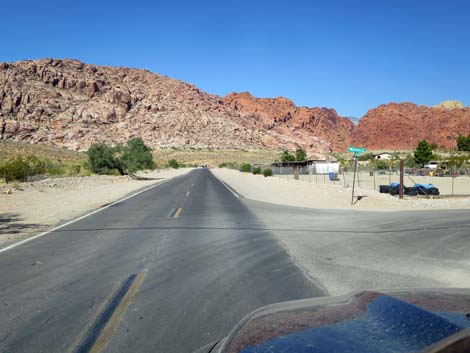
(169, 167)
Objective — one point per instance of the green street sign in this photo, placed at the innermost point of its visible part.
(356, 150)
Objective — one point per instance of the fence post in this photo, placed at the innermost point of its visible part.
(453, 178)
(344, 179)
(374, 179)
(402, 164)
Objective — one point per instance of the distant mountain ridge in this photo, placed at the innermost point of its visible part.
(72, 104)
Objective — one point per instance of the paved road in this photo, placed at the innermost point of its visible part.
(190, 258)
(175, 267)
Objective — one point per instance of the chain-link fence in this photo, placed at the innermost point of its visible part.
(450, 182)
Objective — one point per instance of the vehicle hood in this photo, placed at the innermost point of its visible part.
(365, 322)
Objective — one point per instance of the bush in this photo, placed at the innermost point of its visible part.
(246, 167)
(300, 155)
(287, 157)
(101, 159)
(230, 165)
(366, 157)
(136, 156)
(173, 163)
(20, 168)
(16, 168)
(267, 172)
(256, 170)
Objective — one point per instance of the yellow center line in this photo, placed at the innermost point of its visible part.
(178, 211)
(113, 324)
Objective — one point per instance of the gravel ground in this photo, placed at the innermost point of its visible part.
(39, 205)
(297, 193)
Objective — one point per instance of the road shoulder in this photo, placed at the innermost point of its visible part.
(41, 206)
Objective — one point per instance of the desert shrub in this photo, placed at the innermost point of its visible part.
(287, 157)
(52, 168)
(15, 168)
(73, 169)
(173, 163)
(366, 157)
(101, 158)
(256, 170)
(300, 155)
(136, 156)
(230, 165)
(20, 168)
(246, 167)
(267, 172)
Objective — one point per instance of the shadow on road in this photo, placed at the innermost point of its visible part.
(11, 223)
(136, 177)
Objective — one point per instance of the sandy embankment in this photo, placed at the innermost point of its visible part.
(51, 201)
(303, 194)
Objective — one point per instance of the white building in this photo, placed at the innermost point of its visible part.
(323, 167)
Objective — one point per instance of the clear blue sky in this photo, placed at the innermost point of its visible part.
(349, 55)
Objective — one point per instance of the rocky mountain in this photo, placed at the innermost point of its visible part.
(280, 115)
(399, 126)
(72, 104)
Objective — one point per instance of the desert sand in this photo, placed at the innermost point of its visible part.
(303, 194)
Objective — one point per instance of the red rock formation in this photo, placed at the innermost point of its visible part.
(72, 104)
(306, 127)
(400, 126)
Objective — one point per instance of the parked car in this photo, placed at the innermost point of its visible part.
(431, 165)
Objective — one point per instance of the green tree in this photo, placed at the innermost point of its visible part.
(463, 143)
(287, 157)
(101, 159)
(136, 156)
(300, 155)
(423, 153)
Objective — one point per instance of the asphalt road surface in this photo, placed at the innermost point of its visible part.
(175, 267)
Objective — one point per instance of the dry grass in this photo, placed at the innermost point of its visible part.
(10, 149)
(214, 158)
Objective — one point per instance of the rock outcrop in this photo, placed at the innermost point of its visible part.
(399, 126)
(72, 104)
(304, 126)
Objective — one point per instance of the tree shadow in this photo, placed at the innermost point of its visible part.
(11, 223)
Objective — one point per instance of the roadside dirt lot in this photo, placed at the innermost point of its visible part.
(328, 196)
(39, 205)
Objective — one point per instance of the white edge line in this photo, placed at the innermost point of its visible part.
(21, 242)
(229, 189)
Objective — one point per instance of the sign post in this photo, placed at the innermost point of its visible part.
(356, 151)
